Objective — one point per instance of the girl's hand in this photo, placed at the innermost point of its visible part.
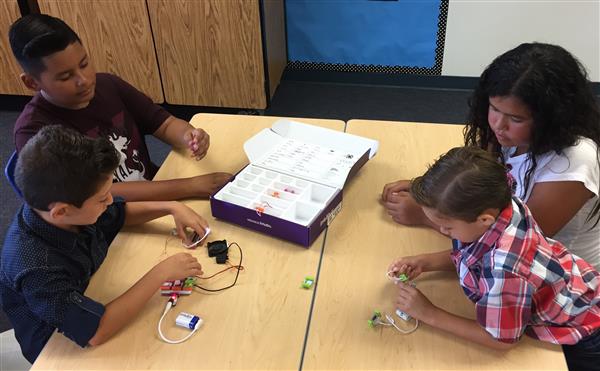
(179, 266)
(197, 141)
(412, 266)
(185, 217)
(412, 302)
(401, 206)
(394, 187)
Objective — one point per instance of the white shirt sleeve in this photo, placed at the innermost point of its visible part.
(577, 163)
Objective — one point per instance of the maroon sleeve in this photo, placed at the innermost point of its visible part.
(26, 127)
(24, 133)
(147, 114)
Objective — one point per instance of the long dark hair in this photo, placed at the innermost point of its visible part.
(463, 183)
(554, 85)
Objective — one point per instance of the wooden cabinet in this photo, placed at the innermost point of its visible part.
(275, 43)
(211, 52)
(116, 35)
(10, 82)
(216, 53)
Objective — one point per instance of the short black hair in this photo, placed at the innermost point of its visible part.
(35, 36)
(59, 164)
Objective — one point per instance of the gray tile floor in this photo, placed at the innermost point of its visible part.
(11, 358)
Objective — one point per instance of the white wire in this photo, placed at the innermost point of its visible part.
(163, 337)
(392, 276)
(391, 322)
(198, 241)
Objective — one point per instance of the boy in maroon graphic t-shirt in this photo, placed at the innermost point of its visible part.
(72, 94)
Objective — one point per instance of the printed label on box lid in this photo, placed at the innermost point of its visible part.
(309, 152)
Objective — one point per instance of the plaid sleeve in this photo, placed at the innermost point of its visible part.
(505, 310)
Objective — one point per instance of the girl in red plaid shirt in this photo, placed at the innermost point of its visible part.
(520, 281)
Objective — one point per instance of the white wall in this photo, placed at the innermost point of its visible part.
(479, 30)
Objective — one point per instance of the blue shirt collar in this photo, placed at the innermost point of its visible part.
(53, 235)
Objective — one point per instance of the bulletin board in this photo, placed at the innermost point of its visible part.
(367, 35)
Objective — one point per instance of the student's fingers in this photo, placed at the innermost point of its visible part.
(202, 232)
(188, 218)
(192, 262)
(203, 144)
(387, 189)
(188, 136)
(195, 142)
(180, 228)
(398, 197)
(394, 210)
(397, 202)
(193, 138)
(203, 139)
(402, 299)
(395, 187)
(196, 272)
(199, 156)
(409, 270)
(199, 143)
(406, 290)
(184, 265)
(201, 222)
(391, 207)
(194, 269)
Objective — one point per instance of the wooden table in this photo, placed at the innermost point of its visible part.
(361, 243)
(258, 324)
(262, 322)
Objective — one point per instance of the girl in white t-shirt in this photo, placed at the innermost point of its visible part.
(534, 107)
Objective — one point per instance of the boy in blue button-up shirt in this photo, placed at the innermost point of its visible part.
(61, 235)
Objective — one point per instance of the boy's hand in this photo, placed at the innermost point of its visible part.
(187, 218)
(179, 266)
(412, 302)
(197, 141)
(207, 184)
(412, 266)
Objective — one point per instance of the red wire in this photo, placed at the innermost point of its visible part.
(238, 267)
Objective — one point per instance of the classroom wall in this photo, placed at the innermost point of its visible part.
(477, 31)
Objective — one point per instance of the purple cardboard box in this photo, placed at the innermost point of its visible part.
(292, 188)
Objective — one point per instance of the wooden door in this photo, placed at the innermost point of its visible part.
(210, 52)
(10, 82)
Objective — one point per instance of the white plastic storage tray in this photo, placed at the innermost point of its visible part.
(283, 196)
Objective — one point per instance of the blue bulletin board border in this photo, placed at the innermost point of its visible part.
(435, 70)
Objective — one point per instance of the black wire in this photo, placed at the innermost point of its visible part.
(239, 268)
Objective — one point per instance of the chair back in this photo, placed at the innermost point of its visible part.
(9, 171)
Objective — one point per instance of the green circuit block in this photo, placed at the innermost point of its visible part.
(403, 277)
(308, 282)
